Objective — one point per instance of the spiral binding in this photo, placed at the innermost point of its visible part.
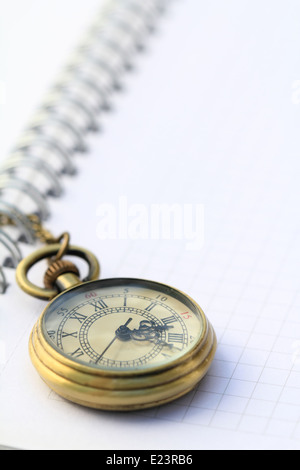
(68, 112)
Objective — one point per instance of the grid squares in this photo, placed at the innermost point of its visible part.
(267, 392)
(280, 428)
(245, 276)
(253, 383)
(247, 372)
(225, 420)
(274, 376)
(254, 357)
(240, 388)
(260, 408)
(253, 424)
(198, 416)
(286, 412)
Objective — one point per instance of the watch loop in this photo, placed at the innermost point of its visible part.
(47, 252)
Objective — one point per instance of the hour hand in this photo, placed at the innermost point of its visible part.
(123, 333)
(148, 331)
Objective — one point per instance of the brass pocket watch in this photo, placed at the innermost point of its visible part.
(114, 344)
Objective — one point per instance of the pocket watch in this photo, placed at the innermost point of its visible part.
(114, 344)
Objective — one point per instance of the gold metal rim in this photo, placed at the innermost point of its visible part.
(122, 390)
(47, 252)
(127, 393)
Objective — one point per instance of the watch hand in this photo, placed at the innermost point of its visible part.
(148, 331)
(118, 333)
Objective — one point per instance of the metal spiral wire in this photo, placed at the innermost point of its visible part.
(70, 108)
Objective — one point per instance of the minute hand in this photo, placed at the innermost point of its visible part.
(113, 340)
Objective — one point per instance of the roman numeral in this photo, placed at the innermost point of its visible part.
(77, 353)
(98, 304)
(175, 338)
(151, 306)
(78, 316)
(74, 335)
(169, 320)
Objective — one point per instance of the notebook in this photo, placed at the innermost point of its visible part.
(204, 121)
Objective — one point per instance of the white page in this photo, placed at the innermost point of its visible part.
(208, 117)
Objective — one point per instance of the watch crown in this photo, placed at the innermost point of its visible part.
(56, 269)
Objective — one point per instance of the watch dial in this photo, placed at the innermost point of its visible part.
(123, 324)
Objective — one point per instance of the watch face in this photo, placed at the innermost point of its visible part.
(123, 324)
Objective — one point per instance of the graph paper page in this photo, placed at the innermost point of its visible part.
(208, 118)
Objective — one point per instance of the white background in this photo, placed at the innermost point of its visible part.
(36, 38)
(208, 116)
